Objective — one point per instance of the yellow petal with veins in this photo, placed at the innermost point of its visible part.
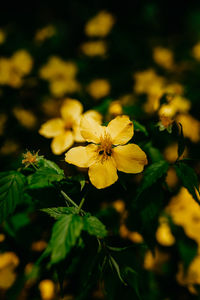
(81, 156)
(120, 130)
(91, 130)
(52, 128)
(103, 174)
(71, 110)
(62, 142)
(129, 158)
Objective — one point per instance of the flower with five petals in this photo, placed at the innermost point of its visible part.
(108, 151)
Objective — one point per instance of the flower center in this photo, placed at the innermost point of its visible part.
(105, 147)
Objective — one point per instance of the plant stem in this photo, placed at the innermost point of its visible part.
(81, 204)
(69, 199)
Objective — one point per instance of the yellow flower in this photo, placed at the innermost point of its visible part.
(99, 88)
(100, 25)
(191, 127)
(163, 57)
(45, 33)
(163, 233)
(191, 277)
(115, 108)
(94, 48)
(25, 117)
(22, 62)
(177, 104)
(61, 76)
(8, 262)
(147, 81)
(12, 70)
(155, 262)
(108, 151)
(65, 130)
(47, 289)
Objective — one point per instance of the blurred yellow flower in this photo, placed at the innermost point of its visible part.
(155, 262)
(100, 25)
(61, 76)
(191, 127)
(171, 178)
(38, 245)
(191, 277)
(171, 152)
(196, 51)
(135, 237)
(165, 123)
(25, 117)
(163, 57)
(45, 33)
(176, 104)
(9, 147)
(47, 289)
(94, 48)
(185, 212)
(13, 70)
(65, 130)
(2, 36)
(8, 262)
(99, 88)
(115, 108)
(108, 151)
(147, 81)
(163, 233)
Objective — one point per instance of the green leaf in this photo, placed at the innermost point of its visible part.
(44, 177)
(45, 163)
(132, 279)
(11, 192)
(94, 227)
(65, 234)
(181, 142)
(57, 212)
(152, 174)
(189, 179)
(153, 152)
(140, 127)
(115, 266)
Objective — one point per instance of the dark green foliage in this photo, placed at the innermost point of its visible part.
(11, 192)
(189, 179)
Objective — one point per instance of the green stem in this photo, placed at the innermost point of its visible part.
(69, 199)
(81, 204)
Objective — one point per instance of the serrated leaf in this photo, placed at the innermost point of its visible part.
(44, 177)
(152, 174)
(189, 179)
(140, 127)
(65, 234)
(57, 212)
(94, 227)
(45, 163)
(11, 192)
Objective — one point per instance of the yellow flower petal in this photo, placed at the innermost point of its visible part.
(129, 158)
(77, 134)
(71, 110)
(103, 174)
(81, 156)
(120, 130)
(91, 130)
(52, 128)
(62, 142)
